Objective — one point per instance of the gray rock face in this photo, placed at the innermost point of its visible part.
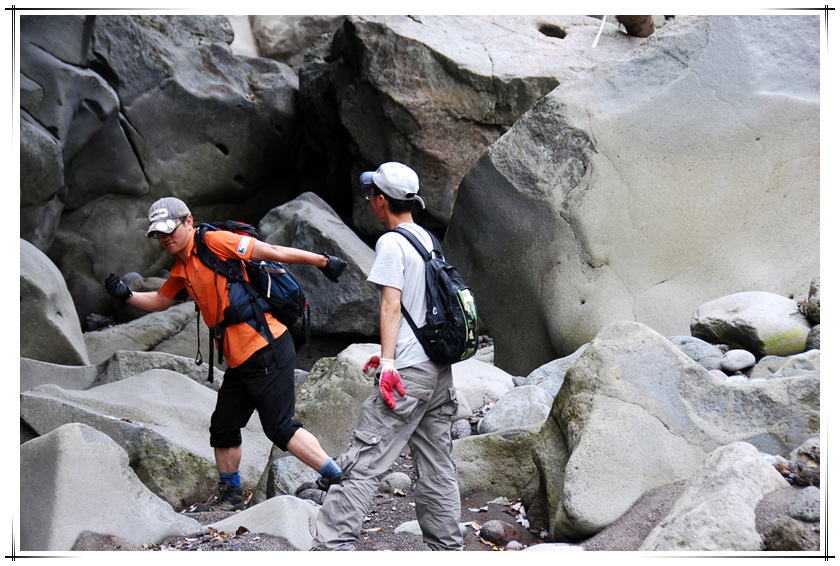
(707, 355)
(806, 363)
(479, 383)
(329, 401)
(349, 307)
(519, 407)
(141, 107)
(145, 333)
(471, 78)
(550, 376)
(283, 516)
(572, 182)
(49, 326)
(499, 462)
(41, 178)
(123, 364)
(77, 479)
(286, 38)
(284, 476)
(716, 511)
(763, 323)
(806, 506)
(635, 413)
(160, 418)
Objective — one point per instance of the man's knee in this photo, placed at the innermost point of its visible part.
(224, 435)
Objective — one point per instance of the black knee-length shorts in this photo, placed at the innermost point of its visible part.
(262, 383)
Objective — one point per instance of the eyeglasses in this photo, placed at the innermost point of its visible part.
(161, 235)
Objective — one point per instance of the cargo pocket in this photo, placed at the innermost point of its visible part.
(450, 409)
(418, 391)
(360, 454)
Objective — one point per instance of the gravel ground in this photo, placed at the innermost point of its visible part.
(389, 511)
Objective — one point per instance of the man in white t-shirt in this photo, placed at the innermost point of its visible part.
(413, 400)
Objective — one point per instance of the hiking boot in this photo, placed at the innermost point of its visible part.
(230, 498)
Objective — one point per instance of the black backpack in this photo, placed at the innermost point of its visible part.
(269, 288)
(450, 332)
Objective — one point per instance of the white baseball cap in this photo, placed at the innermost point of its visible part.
(395, 180)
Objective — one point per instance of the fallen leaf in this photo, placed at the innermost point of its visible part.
(241, 531)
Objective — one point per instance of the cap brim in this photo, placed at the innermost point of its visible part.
(366, 179)
(163, 226)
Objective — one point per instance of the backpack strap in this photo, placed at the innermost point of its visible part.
(421, 249)
(231, 273)
(427, 256)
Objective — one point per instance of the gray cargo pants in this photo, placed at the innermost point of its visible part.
(421, 419)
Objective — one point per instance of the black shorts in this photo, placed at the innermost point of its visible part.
(261, 383)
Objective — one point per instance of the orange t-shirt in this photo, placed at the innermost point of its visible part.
(209, 291)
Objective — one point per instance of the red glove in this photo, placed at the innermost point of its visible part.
(388, 380)
(373, 362)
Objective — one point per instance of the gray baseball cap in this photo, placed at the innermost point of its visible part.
(395, 180)
(165, 215)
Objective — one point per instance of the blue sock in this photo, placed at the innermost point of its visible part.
(232, 477)
(330, 469)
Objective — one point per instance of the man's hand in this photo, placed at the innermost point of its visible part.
(372, 363)
(335, 266)
(117, 288)
(390, 379)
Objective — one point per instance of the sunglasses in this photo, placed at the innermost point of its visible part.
(162, 235)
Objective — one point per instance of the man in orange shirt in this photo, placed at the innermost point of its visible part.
(256, 379)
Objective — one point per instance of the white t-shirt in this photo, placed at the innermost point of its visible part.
(399, 265)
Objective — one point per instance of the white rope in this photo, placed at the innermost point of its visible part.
(600, 29)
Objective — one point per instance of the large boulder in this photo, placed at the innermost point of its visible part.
(521, 406)
(349, 307)
(716, 511)
(34, 373)
(286, 38)
(161, 419)
(122, 365)
(500, 462)
(142, 107)
(550, 376)
(763, 323)
(635, 413)
(49, 326)
(41, 179)
(282, 516)
(146, 333)
(806, 363)
(480, 383)
(471, 78)
(622, 185)
(329, 401)
(76, 479)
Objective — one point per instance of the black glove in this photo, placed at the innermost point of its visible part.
(335, 266)
(117, 288)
